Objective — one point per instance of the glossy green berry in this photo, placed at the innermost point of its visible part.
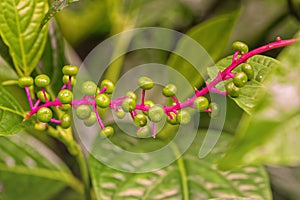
(65, 79)
(172, 120)
(169, 90)
(240, 46)
(240, 79)
(42, 80)
(131, 94)
(120, 113)
(102, 100)
(40, 126)
(201, 103)
(83, 111)
(144, 132)
(148, 103)
(140, 120)
(214, 107)
(156, 113)
(41, 96)
(44, 114)
(65, 96)
(65, 121)
(232, 89)
(128, 104)
(260, 77)
(248, 69)
(65, 107)
(183, 117)
(107, 131)
(145, 83)
(89, 88)
(70, 70)
(108, 85)
(91, 120)
(25, 81)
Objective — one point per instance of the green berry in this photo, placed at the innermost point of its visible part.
(25, 81)
(120, 113)
(44, 114)
(248, 69)
(83, 111)
(261, 75)
(169, 90)
(140, 120)
(66, 79)
(65, 107)
(156, 113)
(144, 132)
(145, 83)
(172, 120)
(240, 46)
(41, 96)
(240, 79)
(232, 89)
(91, 120)
(148, 103)
(89, 88)
(109, 86)
(214, 107)
(65, 121)
(131, 94)
(107, 131)
(128, 104)
(201, 103)
(102, 100)
(70, 70)
(42, 80)
(65, 96)
(40, 126)
(183, 117)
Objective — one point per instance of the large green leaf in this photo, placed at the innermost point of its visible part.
(31, 171)
(187, 178)
(11, 115)
(20, 31)
(271, 135)
(252, 91)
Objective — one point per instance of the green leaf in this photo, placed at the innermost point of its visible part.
(20, 31)
(271, 135)
(253, 90)
(187, 178)
(11, 115)
(29, 170)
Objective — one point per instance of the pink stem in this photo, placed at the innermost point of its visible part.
(36, 103)
(102, 90)
(29, 97)
(98, 117)
(153, 129)
(56, 121)
(44, 93)
(143, 97)
(234, 57)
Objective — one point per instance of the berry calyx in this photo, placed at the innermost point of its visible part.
(248, 69)
(144, 132)
(70, 70)
(107, 131)
(201, 103)
(240, 46)
(183, 117)
(83, 111)
(131, 94)
(91, 120)
(25, 81)
(232, 89)
(172, 120)
(44, 114)
(42, 80)
(128, 104)
(120, 113)
(145, 83)
(102, 100)
(108, 85)
(41, 96)
(65, 96)
(65, 121)
(140, 120)
(89, 88)
(240, 79)
(169, 90)
(156, 113)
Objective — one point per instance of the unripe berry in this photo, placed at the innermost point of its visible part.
(145, 83)
(140, 120)
(240, 79)
(83, 111)
(232, 89)
(240, 46)
(120, 113)
(201, 103)
(102, 100)
(42, 80)
(65, 96)
(40, 126)
(148, 103)
(248, 69)
(183, 117)
(128, 104)
(144, 132)
(44, 114)
(169, 90)
(65, 121)
(131, 94)
(66, 79)
(109, 86)
(107, 131)
(89, 88)
(156, 113)
(41, 96)
(214, 107)
(70, 70)
(261, 75)
(65, 107)
(91, 120)
(25, 81)
(172, 120)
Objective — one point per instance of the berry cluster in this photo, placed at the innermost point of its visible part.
(99, 97)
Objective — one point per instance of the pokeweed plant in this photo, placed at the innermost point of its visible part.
(28, 163)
